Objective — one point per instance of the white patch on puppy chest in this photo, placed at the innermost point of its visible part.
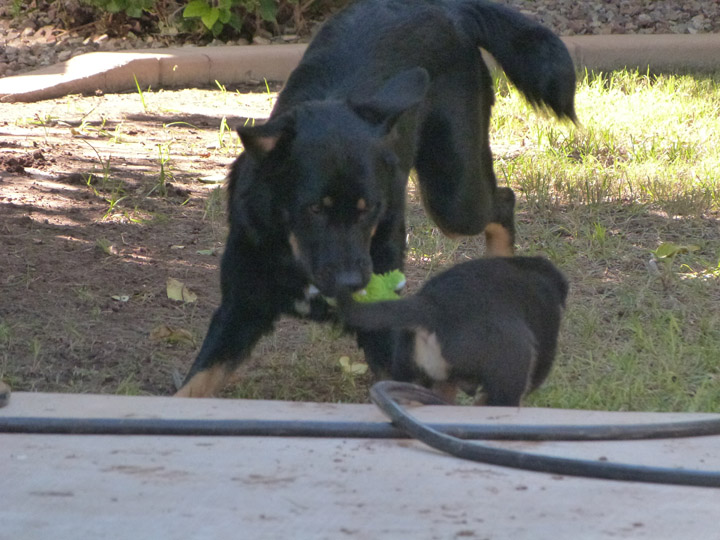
(294, 246)
(428, 355)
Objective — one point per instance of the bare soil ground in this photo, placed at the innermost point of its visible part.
(102, 199)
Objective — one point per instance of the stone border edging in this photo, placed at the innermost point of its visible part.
(202, 66)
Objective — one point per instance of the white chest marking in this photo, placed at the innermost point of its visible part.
(428, 355)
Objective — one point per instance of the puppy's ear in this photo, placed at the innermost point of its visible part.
(262, 139)
(396, 96)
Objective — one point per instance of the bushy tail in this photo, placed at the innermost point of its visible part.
(534, 59)
(404, 314)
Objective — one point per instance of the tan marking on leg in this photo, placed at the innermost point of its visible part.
(207, 383)
(447, 390)
(294, 246)
(498, 241)
(480, 399)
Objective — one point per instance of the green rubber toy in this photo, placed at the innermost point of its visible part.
(382, 287)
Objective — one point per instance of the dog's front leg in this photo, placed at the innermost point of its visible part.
(233, 333)
(248, 310)
(378, 347)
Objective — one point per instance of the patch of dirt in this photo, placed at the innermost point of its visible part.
(102, 199)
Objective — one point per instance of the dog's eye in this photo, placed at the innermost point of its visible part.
(320, 207)
(363, 207)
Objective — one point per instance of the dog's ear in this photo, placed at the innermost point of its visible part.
(260, 140)
(397, 95)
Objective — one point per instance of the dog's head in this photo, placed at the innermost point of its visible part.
(333, 173)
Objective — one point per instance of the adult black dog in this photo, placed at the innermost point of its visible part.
(488, 322)
(318, 196)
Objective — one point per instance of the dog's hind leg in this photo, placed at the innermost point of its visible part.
(500, 232)
(454, 161)
(508, 367)
(508, 389)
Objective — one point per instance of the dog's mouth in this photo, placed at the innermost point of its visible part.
(342, 282)
(380, 287)
(330, 288)
(332, 267)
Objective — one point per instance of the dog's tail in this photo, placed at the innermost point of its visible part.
(407, 313)
(534, 59)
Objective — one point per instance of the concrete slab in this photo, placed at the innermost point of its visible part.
(68, 487)
(201, 66)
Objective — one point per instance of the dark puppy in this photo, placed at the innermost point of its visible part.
(318, 195)
(488, 322)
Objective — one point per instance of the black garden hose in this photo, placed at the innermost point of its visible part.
(364, 430)
(450, 438)
(385, 393)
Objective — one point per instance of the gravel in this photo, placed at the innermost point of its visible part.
(36, 40)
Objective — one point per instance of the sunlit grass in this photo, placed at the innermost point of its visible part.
(651, 140)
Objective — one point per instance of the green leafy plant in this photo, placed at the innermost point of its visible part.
(16, 8)
(165, 174)
(665, 255)
(132, 8)
(105, 163)
(217, 14)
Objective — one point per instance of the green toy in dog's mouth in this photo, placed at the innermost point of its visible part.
(381, 287)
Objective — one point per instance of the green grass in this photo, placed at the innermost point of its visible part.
(642, 170)
(645, 139)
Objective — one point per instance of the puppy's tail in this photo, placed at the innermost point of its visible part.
(405, 314)
(534, 59)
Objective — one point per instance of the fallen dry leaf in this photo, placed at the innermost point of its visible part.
(176, 290)
(171, 335)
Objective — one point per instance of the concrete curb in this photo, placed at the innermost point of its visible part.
(659, 53)
(158, 68)
(201, 66)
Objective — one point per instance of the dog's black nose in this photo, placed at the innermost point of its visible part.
(351, 280)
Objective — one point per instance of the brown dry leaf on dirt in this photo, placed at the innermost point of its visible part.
(177, 290)
(170, 334)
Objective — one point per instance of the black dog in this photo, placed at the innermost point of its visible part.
(488, 322)
(318, 196)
